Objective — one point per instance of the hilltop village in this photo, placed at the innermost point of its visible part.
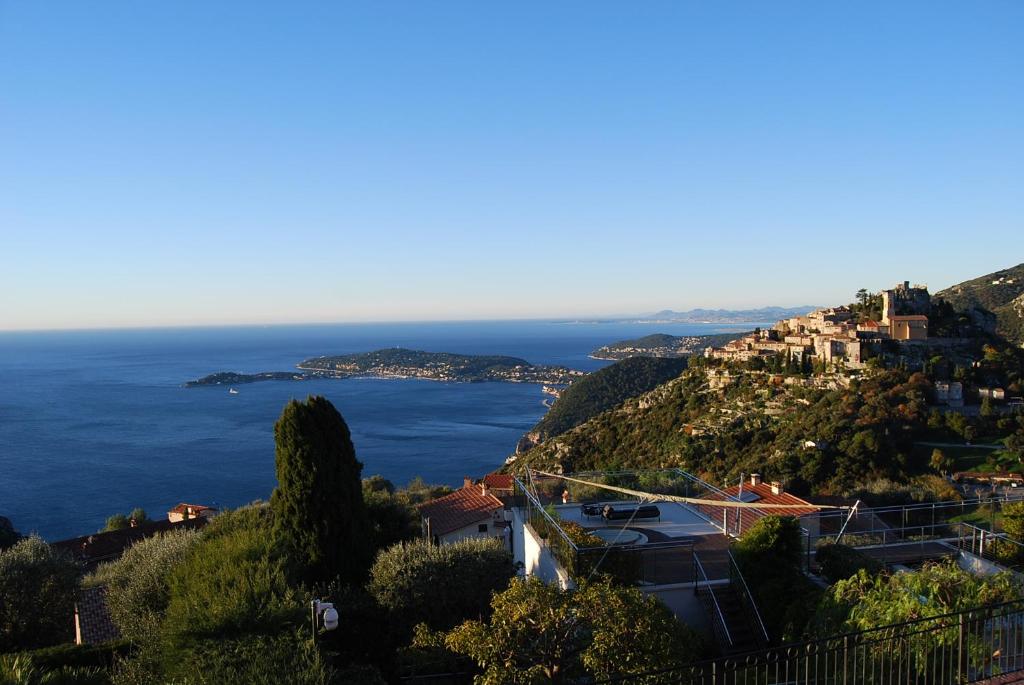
(837, 336)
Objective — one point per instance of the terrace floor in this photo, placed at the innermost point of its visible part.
(677, 521)
(667, 565)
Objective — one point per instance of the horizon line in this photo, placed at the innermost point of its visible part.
(609, 318)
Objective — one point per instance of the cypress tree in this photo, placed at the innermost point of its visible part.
(318, 503)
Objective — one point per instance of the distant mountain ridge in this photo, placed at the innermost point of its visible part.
(730, 315)
(1000, 292)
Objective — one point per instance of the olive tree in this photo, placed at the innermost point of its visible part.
(418, 582)
(538, 632)
(38, 588)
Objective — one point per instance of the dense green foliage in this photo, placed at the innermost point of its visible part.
(138, 584)
(318, 503)
(1013, 520)
(287, 657)
(70, 655)
(20, 669)
(38, 587)
(234, 583)
(441, 586)
(231, 610)
(122, 521)
(391, 515)
(769, 555)
(539, 633)
(839, 562)
(604, 389)
(718, 422)
(866, 601)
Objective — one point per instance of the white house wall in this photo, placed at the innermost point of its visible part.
(471, 531)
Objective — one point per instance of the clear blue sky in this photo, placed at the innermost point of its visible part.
(201, 162)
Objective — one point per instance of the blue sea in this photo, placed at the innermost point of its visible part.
(97, 422)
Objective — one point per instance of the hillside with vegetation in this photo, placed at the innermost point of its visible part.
(822, 433)
(1000, 293)
(602, 390)
(663, 345)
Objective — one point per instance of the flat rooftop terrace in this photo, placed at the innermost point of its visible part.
(677, 521)
(678, 524)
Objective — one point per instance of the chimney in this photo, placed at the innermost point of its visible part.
(133, 523)
(467, 482)
(484, 490)
(755, 479)
(776, 487)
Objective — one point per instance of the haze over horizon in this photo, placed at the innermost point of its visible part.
(238, 163)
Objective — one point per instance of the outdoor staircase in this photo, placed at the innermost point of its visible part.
(735, 619)
(743, 634)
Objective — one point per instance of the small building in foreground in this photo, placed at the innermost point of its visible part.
(183, 512)
(469, 512)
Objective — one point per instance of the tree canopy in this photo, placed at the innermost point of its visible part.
(441, 586)
(538, 632)
(318, 503)
(38, 587)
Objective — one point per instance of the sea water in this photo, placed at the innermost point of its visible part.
(97, 422)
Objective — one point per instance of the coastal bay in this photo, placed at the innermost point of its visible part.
(95, 422)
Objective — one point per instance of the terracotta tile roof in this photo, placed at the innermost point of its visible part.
(92, 619)
(909, 317)
(98, 547)
(498, 481)
(462, 508)
(764, 496)
(185, 508)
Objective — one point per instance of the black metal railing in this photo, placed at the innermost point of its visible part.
(951, 649)
(983, 509)
(706, 592)
(753, 615)
(998, 548)
(930, 541)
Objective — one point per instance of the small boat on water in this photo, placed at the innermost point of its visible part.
(232, 391)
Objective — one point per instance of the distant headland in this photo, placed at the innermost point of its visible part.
(402, 363)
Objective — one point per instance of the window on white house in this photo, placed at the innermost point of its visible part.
(482, 528)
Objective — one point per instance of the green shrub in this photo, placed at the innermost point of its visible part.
(439, 585)
(231, 584)
(79, 656)
(770, 555)
(138, 583)
(839, 562)
(363, 635)
(38, 588)
(289, 657)
(391, 520)
(539, 633)
(20, 669)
